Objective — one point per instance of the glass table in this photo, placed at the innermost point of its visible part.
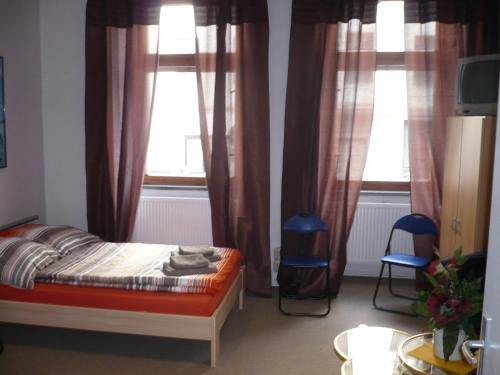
(350, 367)
(413, 365)
(369, 350)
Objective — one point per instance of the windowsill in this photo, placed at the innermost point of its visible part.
(382, 197)
(202, 192)
(386, 192)
(385, 185)
(174, 187)
(174, 191)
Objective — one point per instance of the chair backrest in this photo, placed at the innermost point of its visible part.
(304, 223)
(416, 224)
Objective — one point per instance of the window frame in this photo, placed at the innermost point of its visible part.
(388, 61)
(175, 63)
(186, 62)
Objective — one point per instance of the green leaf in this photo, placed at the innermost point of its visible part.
(453, 275)
(450, 338)
(420, 308)
(422, 295)
(460, 260)
(469, 329)
(434, 283)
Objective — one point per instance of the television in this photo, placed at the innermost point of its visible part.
(477, 85)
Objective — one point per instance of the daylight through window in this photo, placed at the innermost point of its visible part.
(174, 152)
(387, 159)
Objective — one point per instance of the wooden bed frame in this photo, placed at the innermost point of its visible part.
(205, 328)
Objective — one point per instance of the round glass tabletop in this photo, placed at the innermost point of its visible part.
(369, 350)
(413, 365)
(364, 340)
(351, 367)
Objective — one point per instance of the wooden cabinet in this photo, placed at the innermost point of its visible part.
(467, 184)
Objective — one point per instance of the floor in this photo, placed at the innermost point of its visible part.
(256, 340)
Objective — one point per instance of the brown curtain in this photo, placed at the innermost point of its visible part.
(329, 110)
(437, 33)
(232, 73)
(121, 54)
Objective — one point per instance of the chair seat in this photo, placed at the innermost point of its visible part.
(304, 262)
(405, 260)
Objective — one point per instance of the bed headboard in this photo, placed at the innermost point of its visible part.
(19, 222)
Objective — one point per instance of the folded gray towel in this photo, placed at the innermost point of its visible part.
(188, 261)
(211, 258)
(169, 271)
(196, 249)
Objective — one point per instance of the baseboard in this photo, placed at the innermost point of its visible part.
(368, 268)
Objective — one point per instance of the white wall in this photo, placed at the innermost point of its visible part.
(22, 182)
(62, 34)
(62, 58)
(279, 37)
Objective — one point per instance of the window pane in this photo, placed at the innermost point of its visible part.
(177, 30)
(174, 144)
(390, 26)
(388, 151)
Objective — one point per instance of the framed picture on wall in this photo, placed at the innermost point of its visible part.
(3, 140)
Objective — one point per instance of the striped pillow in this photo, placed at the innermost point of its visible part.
(62, 238)
(21, 259)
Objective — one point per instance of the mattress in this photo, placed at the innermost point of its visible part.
(197, 304)
(121, 299)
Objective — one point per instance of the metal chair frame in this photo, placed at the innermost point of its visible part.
(327, 292)
(429, 231)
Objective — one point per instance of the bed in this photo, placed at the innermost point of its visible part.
(198, 316)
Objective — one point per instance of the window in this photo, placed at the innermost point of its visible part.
(174, 151)
(387, 166)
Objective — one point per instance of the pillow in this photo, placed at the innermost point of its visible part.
(64, 239)
(20, 259)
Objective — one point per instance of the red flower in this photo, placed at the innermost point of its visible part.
(465, 307)
(435, 267)
(449, 304)
(434, 303)
(443, 280)
(453, 302)
(445, 310)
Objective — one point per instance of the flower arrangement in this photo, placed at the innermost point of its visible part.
(453, 300)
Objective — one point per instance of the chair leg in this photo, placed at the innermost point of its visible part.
(328, 295)
(391, 291)
(374, 301)
(328, 291)
(390, 279)
(279, 301)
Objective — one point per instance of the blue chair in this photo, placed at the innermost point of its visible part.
(416, 224)
(304, 224)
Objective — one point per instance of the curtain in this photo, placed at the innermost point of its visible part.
(232, 73)
(121, 55)
(437, 33)
(329, 110)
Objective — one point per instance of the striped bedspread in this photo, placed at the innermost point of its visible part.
(135, 266)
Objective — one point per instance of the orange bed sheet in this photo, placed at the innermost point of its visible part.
(117, 299)
(18, 230)
(121, 299)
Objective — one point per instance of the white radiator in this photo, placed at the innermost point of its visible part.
(180, 220)
(173, 220)
(368, 239)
